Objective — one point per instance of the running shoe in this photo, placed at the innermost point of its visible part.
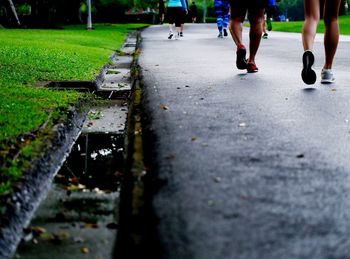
(327, 76)
(225, 33)
(265, 35)
(220, 35)
(252, 68)
(308, 74)
(177, 36)
(171, 34)
(241, 61)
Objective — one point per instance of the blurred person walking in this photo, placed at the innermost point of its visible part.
(175, 14)
(183, 18)
(331, 38)
(161, 12)
(222, 9)
(255, 10)
(193, 12)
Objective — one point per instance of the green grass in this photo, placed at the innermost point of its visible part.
(344, 22)
(30, 56)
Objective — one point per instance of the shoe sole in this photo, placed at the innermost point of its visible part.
(241, 61)
(307, 74)
(170, 36)
(327, 81)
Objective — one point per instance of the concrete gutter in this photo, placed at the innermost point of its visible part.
(21, 204)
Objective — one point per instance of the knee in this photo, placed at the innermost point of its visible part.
(315, 18)
(330, 20)
(256, 22)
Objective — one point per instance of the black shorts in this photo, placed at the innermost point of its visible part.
(175, 15)
(249, 4)
(270, 10)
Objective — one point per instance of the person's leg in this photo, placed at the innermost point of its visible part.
(312, 17)
(171, 19)
(256, 20)
(178, 21)
(265, 35)
(219, 19)
(235, 25)
(226, 16)
(331, 36)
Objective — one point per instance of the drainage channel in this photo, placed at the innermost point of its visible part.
(79, 216)
(78, 219)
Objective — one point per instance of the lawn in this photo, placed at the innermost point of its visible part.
(31, 56)
(344, 22)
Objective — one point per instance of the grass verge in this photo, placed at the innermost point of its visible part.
(344, 22)
(30, 56)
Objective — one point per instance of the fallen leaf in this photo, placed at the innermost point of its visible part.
(73, 180)
(300, 156)
(72, 187)
(164, 107)
(90, 225)
(84, 250)
(193, 139)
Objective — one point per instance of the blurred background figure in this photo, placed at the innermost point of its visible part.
(175, 13)
(183, 18)
(222, 8)
(193, 12)
(161, 9)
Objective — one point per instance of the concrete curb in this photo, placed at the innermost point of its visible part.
(21, 204)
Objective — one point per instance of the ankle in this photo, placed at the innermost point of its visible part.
(240, 46)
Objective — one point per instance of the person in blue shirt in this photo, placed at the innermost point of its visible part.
(222, 8)
(175, 11)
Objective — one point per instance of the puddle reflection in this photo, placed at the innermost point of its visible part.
(96, 161)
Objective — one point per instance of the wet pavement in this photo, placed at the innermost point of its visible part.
(240, 165)
(246, 165)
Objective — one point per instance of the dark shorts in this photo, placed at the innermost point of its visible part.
(249, 4)
(270, 10)
(254, 8)
(175, 15)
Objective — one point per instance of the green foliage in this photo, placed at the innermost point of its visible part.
(28, 57)
(292, 9)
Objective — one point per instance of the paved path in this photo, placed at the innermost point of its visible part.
(251, 165)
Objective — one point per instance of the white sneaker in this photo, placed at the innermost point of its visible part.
(177, 36)
(327, 76)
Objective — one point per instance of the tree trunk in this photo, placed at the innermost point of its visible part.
(14, 11)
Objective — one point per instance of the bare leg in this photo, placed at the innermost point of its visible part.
(235, 26)
(171, 25)
(331, 36)
(312, 17)
(256, 19)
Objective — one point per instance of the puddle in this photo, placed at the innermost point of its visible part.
(95, 162)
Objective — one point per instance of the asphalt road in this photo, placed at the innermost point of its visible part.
(252, 165)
